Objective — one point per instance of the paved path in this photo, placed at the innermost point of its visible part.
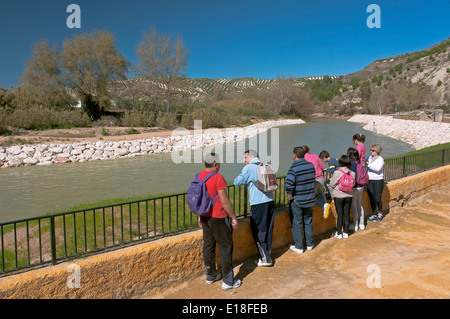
(410, 248)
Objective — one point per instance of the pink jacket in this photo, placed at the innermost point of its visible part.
(318, 165)
(362, 153)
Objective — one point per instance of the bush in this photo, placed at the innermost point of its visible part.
(39, 118)
(139, 119)
(210, 117)
(167, 120)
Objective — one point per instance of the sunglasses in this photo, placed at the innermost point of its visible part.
(372, 150)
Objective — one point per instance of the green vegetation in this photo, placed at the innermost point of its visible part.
(426, 149)
(325, 89)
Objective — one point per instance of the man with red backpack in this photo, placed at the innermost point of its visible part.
(217, 226)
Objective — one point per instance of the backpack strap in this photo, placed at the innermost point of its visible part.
(205, 179)
(208, 176)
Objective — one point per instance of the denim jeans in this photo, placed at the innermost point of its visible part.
(301, 215)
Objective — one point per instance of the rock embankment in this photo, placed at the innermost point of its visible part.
(47, 154)
(419, 134)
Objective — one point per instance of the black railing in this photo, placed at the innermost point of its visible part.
(49, 239)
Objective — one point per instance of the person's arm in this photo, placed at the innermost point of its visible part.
(335, 178)
(228, 208)
(376, 165)
(242, 179)
(289, 183)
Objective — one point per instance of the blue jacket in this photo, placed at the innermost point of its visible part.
(333, 165)
(248, 175)
(300, 181)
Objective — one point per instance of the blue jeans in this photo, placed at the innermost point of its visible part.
(301, 215)
(319, 189)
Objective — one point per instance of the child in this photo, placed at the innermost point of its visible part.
(342, 199)
(358, 140)
(319, 167)
(332, 166)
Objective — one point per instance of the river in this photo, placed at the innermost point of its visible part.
(35, 190)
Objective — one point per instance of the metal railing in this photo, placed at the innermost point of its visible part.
(49, 239)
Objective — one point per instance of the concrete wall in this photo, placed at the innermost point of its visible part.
(144, 269)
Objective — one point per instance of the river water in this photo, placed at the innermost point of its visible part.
(35, 190)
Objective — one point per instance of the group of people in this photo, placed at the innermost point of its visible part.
(305, 188)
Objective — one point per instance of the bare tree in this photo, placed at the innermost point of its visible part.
(161, 64)
(287, 99)
(380, 99)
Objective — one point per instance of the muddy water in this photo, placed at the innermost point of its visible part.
(32, 191)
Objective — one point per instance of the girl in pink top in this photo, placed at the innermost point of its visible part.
(319, 167)
(358, 140)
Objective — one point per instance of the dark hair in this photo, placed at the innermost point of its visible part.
(251, 153)
(305, 148)
(344, 161)
(353, 154)
(359, 137)
(324, 154)
(299, 152)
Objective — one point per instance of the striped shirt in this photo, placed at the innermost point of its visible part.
(300, 181)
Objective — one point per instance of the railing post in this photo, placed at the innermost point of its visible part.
(245, 200)
(53, 239)
(404, 166)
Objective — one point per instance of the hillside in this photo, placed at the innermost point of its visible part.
(426, 70)
(401, 83)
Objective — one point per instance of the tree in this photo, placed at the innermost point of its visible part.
(365, 91)
(354, 82)
(89, 62)
(161, 63)
(41, 81)
(287, 99)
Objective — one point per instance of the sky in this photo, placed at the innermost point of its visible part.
(234, 39)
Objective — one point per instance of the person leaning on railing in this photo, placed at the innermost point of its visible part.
(375, 164)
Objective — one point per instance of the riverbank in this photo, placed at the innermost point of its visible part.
(419, 134)
(125, 146)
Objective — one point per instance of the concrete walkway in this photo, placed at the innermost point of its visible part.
(406, 255)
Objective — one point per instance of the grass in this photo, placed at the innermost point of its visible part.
(416, 161)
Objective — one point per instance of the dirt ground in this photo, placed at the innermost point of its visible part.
(406, 255)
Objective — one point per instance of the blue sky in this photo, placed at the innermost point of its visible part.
(232, 39)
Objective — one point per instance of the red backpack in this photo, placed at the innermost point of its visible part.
(345, 183)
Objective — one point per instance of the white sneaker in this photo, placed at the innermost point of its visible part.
(344, 235)
(261, 263)
(218, 277)
(356, 228)
(310, 247)
(298, 251)
(338, 236)
(362, 227)
(236, 284)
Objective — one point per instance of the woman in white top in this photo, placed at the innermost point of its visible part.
(375, 187)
